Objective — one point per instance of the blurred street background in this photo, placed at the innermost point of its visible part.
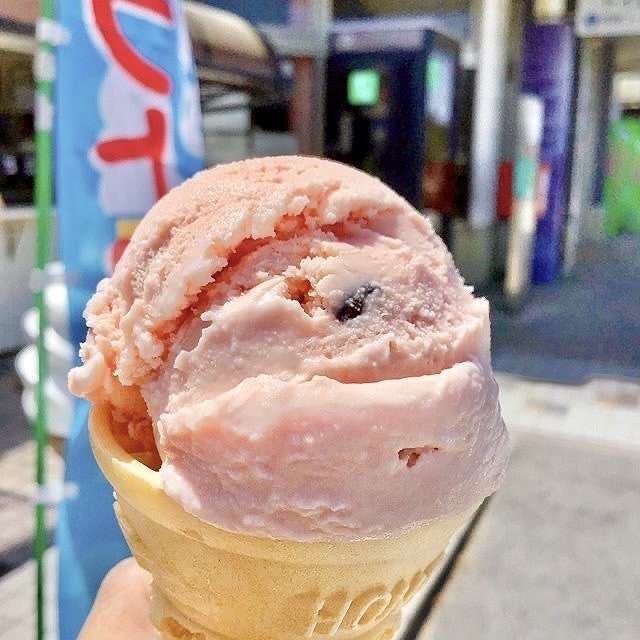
(515, 127)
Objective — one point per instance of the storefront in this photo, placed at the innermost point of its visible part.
(239, 77)
(17, 221)
(16, 104)
(608, 90)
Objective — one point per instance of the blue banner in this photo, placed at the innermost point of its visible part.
(128, 128)
(548, 60)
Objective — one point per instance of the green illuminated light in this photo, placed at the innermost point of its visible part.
(434, 73)
(363, 87)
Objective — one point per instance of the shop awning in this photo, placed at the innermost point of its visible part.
(17, 37)
(229, 51)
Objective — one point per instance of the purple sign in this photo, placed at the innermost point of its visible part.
(548, 71)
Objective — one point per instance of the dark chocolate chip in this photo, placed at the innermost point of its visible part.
(353, 306)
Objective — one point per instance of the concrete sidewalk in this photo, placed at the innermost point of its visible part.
(555, 554)
(17, 474)
(18, 597)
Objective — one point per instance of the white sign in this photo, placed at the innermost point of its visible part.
(608, 18)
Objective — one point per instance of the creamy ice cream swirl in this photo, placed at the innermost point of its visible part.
(304, 352)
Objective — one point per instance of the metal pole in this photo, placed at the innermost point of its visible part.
(43, 197)
(473, 240)
(584, 154)
(522, 226)
(595, 76)
(549, 10)
(491, 40)
(313, 20)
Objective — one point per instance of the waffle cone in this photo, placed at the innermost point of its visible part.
(211, 584)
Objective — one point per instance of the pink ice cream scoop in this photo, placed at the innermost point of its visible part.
(298, 341)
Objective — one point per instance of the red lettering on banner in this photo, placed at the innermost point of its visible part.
(127, 57)
(150, 146)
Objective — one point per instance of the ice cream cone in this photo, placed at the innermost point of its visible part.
(213, 584)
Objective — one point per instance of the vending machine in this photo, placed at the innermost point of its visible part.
(391, 109)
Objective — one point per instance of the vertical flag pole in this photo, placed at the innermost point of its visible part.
(44, 79)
